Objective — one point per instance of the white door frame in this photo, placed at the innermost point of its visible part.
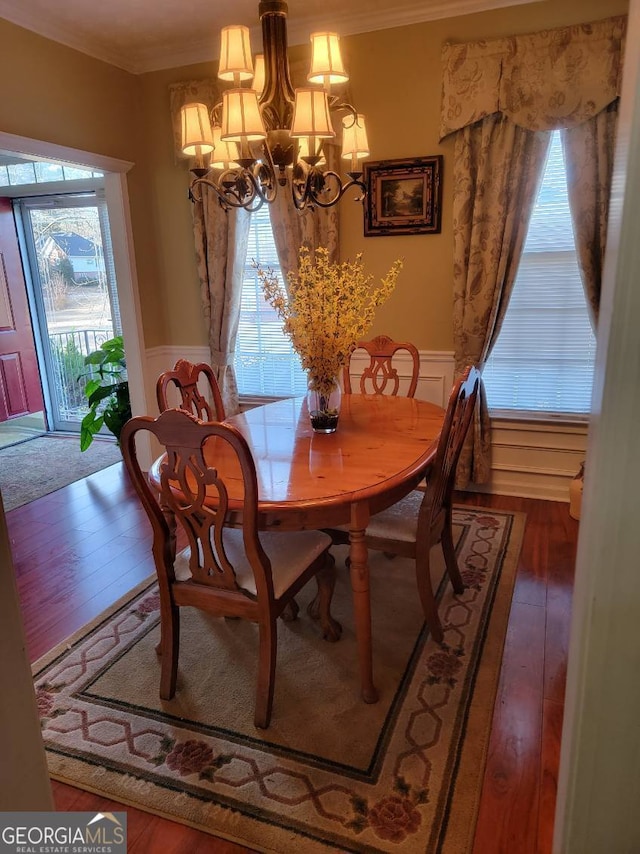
(597, 805)
(117, 199)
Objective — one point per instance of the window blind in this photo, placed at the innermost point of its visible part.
(544, 357)
(265, 362)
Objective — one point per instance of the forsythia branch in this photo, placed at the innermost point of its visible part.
(328, 309)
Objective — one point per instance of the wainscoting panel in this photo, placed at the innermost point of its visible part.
(530, 459)
(535, 459)
(436, 373)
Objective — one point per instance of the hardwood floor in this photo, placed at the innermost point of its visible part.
(79, 549)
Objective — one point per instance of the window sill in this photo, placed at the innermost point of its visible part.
(521, 415)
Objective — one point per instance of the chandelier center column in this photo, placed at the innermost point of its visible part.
(278, 95)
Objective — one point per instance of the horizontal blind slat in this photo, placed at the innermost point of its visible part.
(265, 362)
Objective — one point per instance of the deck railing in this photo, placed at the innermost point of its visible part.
(68, 350)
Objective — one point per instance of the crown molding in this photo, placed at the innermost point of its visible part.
(401, 14)
(346, 21)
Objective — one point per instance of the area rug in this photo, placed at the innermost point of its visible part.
(331, 773)
(40, 466)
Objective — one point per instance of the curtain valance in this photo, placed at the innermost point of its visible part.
(541, 81)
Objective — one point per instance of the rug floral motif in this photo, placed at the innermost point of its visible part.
(411, 784)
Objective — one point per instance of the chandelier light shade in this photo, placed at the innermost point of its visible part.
(258, 74)
(235, 55)
(225, 155)
(264, 135)
(197, 137)
(311, 114)
(241, 119)
(326, 60)
(355, 145)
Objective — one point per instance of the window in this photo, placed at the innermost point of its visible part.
(265, 362)
(15, 172)
(544, 357)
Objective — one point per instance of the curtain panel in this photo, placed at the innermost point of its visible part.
(221, 248)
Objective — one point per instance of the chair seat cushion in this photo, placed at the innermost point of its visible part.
(398, 522)
(290, 555)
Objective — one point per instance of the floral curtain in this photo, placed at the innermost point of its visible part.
(498, 168)
(312, 228)
(589, 149)
(221, 248)
(552, 79)
(501, 98)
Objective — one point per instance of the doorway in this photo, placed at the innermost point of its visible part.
(113, 180)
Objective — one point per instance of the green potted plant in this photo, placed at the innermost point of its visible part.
(107, 391)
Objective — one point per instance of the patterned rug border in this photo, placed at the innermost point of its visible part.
(464, 796)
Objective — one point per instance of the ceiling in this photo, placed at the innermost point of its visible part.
(148, 35)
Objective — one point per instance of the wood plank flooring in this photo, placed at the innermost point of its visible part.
(78, 550)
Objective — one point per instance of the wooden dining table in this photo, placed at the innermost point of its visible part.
(382, 449)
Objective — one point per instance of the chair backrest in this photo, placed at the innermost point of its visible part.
(462, 401)
(380, 376)
(197, 497)
(185, 376)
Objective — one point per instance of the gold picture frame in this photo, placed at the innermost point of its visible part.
(403, 196)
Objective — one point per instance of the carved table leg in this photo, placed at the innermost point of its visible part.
(359, 572)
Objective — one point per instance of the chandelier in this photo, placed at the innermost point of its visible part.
(266, 135)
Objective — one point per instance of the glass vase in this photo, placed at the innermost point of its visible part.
(323, 401)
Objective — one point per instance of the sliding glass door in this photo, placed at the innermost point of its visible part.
(74, 296)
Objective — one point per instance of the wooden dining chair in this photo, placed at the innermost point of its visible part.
(381, 376)
(229, 572)
(185, 376)
(422, 519)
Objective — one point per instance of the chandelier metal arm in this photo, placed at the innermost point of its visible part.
(229, 196)
(336, 106)
(308, 190)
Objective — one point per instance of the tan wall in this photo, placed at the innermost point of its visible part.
(53, 93)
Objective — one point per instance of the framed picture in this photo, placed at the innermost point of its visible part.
(403, 196)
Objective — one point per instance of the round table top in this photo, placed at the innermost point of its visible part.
(381, 444)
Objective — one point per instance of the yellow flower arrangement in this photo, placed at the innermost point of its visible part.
(329, 307)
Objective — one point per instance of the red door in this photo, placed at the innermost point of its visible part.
(20, 391)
